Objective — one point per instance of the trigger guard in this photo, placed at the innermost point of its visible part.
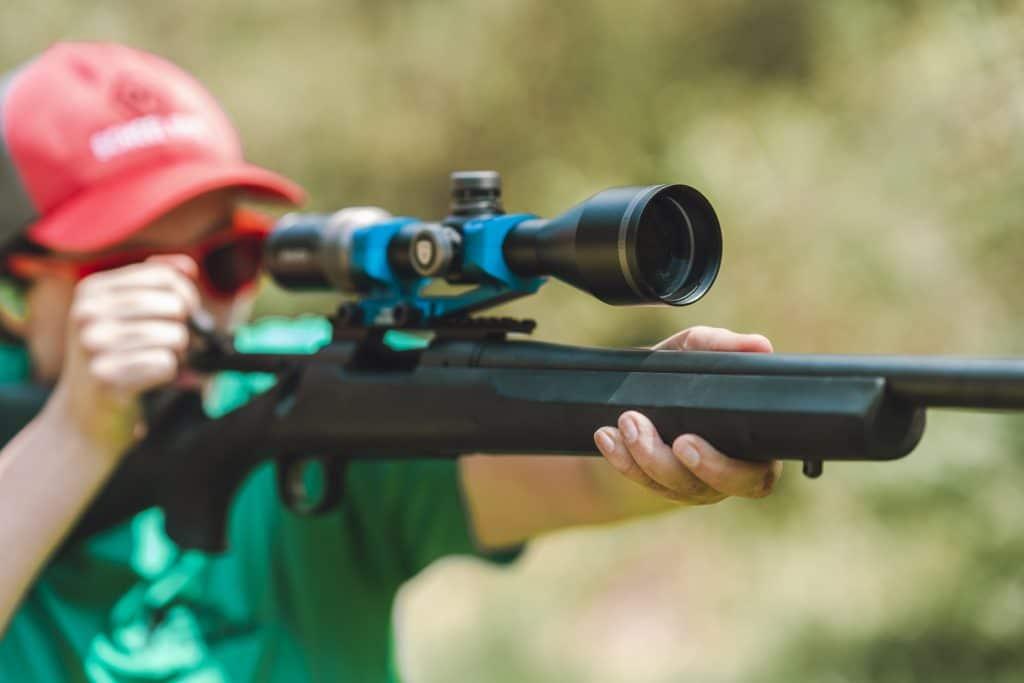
(290, 486)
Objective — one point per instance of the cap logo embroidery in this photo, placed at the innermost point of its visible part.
(146, 131)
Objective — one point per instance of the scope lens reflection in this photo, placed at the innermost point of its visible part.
(664, 251)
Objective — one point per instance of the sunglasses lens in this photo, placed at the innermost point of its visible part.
(232, 266)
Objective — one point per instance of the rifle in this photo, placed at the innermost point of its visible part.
(471, 389)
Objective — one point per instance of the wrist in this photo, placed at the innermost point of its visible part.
(624, 499)
(100, 437)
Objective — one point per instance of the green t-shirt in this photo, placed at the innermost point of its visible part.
(294, 599)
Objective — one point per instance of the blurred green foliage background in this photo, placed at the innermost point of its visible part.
(867, 162)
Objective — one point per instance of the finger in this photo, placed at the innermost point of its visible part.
(703, 338)
(186, 265)
(134, 304)
(657, 460)
(132, 372)
(149, 275)
(612, 446)
(725, 474)
(116, 335)
(184, 274)
(162, 280)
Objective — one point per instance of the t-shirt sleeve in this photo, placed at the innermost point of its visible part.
(420, 505)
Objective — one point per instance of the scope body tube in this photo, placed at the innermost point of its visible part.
(626, 245)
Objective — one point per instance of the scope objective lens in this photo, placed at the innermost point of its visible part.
(664, 246)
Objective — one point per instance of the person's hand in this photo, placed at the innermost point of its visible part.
(690, 470)
(127, 333)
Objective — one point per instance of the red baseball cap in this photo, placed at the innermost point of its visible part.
(97, 140)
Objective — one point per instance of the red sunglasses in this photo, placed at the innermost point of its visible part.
(229, 261)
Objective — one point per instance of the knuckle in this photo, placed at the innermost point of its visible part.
(693, 490)
(135, 301)
(90, 281)
(178, 307)
(698, 492)
(79, 313)
(158, 274)
(160, 304)
(648, 449)
(621, 460)
(766, 484)
(153, 366)
(84, 309)
(715, 339)
(173, 277)
(191, 291)
(695, 337)
(702, 494)
(178, 337)
(708, 494)
(697, 495)
(91, 337)
(165, 360)
(627, 466)
(623, 465)
(101, 372)
(172, 308)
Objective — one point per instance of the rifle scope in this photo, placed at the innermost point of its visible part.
(627, 245)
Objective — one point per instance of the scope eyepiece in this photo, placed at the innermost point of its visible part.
(627, 245)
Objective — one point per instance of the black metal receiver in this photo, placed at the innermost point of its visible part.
(472, 390)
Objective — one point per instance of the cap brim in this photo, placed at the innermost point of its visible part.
(103, 216)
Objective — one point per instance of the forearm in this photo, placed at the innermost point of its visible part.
(513, 498)
(48, 474)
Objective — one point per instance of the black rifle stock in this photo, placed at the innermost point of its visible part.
(357, 398)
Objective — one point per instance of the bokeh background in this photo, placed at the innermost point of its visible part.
(867, 162)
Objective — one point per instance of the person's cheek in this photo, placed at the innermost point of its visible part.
(47, 306)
